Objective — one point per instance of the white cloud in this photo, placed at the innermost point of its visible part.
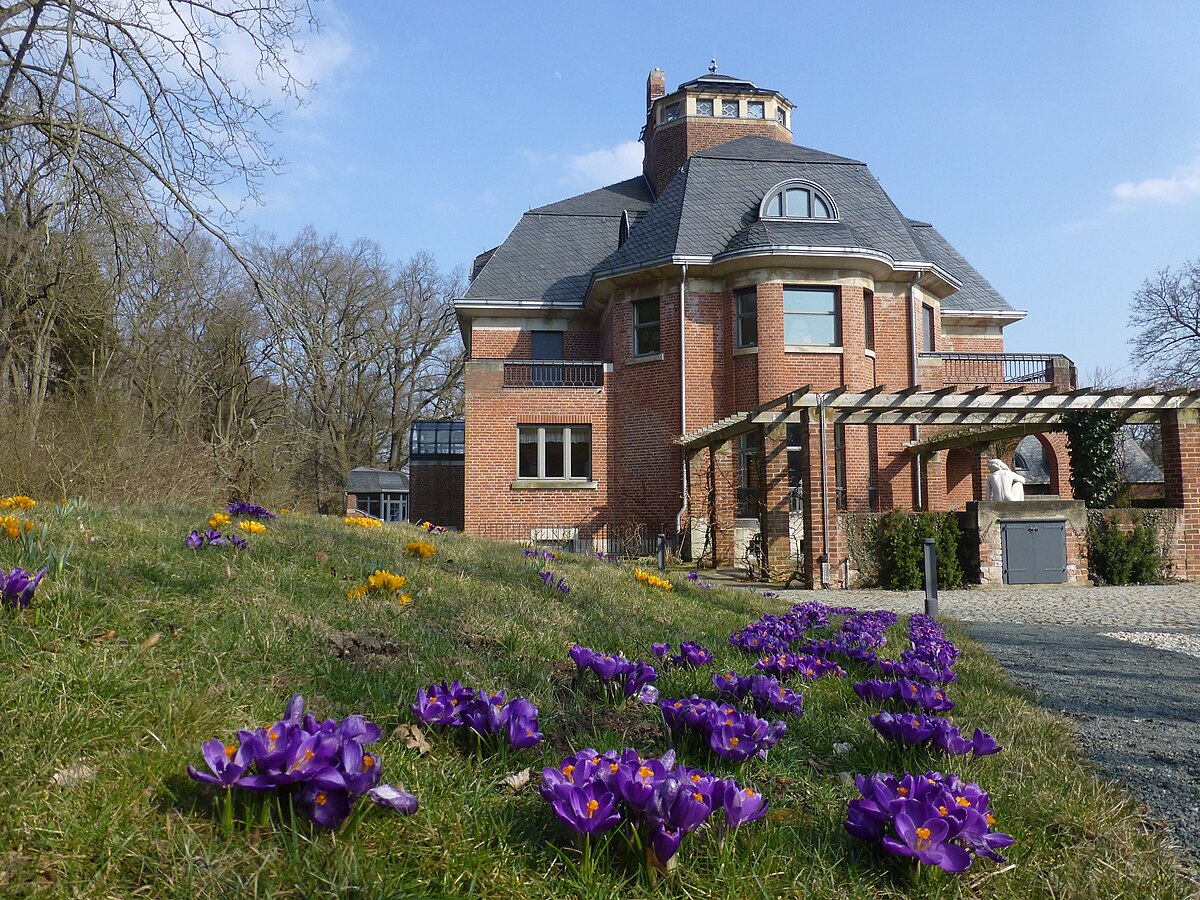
(605, 166)
(1180, 186)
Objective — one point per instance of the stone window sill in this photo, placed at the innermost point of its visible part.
(548, 484)
(745, 351)
(870, 354)
(648, 358)
(806, 348)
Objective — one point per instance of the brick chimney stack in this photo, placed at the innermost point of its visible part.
(656, 86)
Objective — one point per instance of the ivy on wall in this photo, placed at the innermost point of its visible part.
(1092, 439)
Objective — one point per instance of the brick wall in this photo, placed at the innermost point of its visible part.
(436, 493)
(669, 146)
(493, 507)
(516, 343)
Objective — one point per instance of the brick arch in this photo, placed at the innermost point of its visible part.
(961, 469)
(1057, 459)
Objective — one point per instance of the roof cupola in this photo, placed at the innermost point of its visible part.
(704, 112)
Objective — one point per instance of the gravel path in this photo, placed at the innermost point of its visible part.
(1121, 662)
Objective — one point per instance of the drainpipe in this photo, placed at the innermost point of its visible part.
(824, 492)
(916, 429)
(682, 401)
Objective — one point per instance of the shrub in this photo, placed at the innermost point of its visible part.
(902, 536)
(1125, 557)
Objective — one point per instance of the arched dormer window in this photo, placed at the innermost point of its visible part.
(797, 200)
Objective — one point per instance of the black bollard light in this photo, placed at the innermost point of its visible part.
(662, 552)
(931, 597)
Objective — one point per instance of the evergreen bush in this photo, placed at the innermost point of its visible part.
(1125, 557)
(902, 536)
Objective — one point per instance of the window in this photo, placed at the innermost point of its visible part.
(795, 463)
(745, 303)
(810, 317)
(704, 106)
(872, 468)
(673, 112)
(369, 503)
(756, 109)
(797, 200)
(436, 440)
(749, 474)
(645, 327)
(869, 319)
(554, 452)
(781, 116)
(729, 108)
(839, 464)
(927, 328)
(547, 345)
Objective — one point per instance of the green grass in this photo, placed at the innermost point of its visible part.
(239, 634)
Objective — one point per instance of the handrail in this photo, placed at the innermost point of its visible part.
(553, 373)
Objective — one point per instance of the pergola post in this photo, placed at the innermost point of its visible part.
(1181, 472)
(723, 501)
(775, 512)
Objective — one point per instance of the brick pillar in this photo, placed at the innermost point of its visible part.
(980, 473)
(1058, 462)
(813, 527)
(775, 514)
(723, 502)
(1181, 471)
(935, 481)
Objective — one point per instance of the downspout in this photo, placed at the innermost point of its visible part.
(916, 429)
(824, 492)
(682, 402)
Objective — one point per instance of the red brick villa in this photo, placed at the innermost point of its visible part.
(749, 343)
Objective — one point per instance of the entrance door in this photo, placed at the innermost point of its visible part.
(1035, 552)
(395, 508)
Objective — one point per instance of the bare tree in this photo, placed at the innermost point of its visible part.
(1166, 312)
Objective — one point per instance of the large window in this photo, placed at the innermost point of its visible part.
(797, 200)
(839, 465)
(645, 327)
(795, 460)
(745, 307)
(434, 440)
(554, 452)
(811, 317)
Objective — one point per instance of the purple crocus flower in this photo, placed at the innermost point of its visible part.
(647, 695)
(228, 763)
(983, 744)
(18, 586)
(547, 578)
(360, 770)
(393, 798)
(693, 577)
(665, 842)
(240, 509)
(927, 842)
(214, 537)
(741, 805)
(660, 650)
(562, 586)
(239, 542)
(589, 809)
(522, 724)
(193, 541)
(327, 807)
(295, 709)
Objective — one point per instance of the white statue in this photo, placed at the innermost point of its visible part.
(1004, 483)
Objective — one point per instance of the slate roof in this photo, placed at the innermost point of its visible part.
(550, 254)
(709, 210)
(366, 480)
(1136, 467)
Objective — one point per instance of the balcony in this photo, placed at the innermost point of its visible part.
(553, 373)
(1005, 369)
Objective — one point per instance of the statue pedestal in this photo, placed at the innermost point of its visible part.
(1053, 540)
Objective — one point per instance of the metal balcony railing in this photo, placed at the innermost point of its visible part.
(553, 373)
(982, 369)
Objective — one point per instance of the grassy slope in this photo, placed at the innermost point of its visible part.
(235, 643)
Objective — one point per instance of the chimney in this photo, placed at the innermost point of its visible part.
(656, 86)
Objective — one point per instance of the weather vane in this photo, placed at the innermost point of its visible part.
(712, 66)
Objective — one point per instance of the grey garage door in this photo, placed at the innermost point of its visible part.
(1035, 552)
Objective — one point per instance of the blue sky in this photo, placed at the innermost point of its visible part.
(1057, 145)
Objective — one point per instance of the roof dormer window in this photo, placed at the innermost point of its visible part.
(797, 200)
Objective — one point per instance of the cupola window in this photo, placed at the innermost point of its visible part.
(730, 108)
(704, 106)
(756, 109)
(797, 200)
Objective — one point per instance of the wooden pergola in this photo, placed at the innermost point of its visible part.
(955, 418)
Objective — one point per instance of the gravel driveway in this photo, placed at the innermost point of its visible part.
(1135, 700)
